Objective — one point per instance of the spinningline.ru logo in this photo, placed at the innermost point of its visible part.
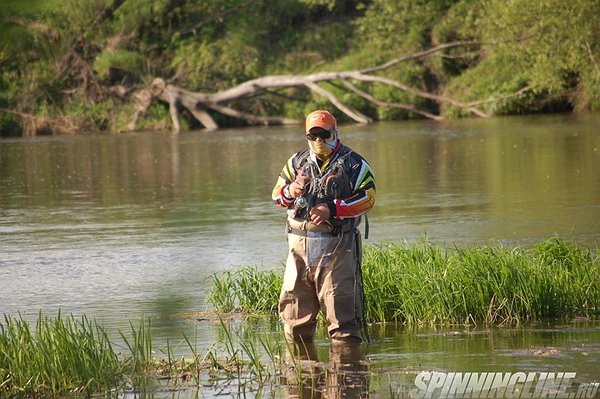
(439, 385)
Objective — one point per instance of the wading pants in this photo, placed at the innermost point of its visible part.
(320, 274)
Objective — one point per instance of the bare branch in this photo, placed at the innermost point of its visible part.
(593, 59)
(422, 54)
(417, 92)
(408, 107)
(264, 120)
(142, 99)
(355, 115)
(496, 99)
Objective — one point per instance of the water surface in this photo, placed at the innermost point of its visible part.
(119, 225)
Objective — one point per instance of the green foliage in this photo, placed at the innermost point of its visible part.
(156, 118)
(9, 122)
(61, 355)
(390, 25)
(489, 284)
(129, 61)
(9, 125)
(496, 75)
(325, 3)
(69, 357)
(317, 48)
(536, 46)
(246, 289)
(92, 117)
(462, 23)
(217, 65)
(55, 53)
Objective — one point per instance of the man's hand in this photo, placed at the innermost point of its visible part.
(298, 186)
(319, 213)
(296, 189)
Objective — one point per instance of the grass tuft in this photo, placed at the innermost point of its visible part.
(426, 283)
(73, 357)
(61, 355)
(246, 289)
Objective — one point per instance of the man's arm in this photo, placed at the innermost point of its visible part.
(281, 194)
(287, 189)
(363, 197)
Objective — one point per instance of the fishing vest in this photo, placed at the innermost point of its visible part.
(323, 186)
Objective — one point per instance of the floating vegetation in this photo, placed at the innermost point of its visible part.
(427, 283)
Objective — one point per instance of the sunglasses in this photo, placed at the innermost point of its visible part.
(322, 134)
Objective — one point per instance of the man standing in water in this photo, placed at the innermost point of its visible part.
(325, 189)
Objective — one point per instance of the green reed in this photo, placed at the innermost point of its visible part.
(74, 357)
(246, 289)
(69, 355)
(429, 283)
(60, 355)
(140, 347)
(425, 283)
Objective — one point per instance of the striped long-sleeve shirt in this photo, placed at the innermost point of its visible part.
(360, 197)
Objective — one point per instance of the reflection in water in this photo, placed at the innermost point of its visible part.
(344, 375)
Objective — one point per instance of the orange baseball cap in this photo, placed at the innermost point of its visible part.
(320, 118)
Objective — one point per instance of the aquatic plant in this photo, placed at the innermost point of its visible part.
(74, 357)
(64, 354)
(426, 283)
(429, 283)
(246, 289)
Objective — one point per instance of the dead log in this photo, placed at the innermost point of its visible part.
(199, 104)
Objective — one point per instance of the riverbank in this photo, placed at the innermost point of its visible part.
(88, 67)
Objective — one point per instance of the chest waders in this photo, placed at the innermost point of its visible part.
(327, 185)
(360, 305)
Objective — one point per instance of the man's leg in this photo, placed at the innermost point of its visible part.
(339, 293)
(298, 303)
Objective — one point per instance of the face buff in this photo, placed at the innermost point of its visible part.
(324, 148)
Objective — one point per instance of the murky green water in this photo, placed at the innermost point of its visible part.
(116, 226)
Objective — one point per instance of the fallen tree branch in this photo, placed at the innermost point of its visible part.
(422, 54)
(355, 115)
(198, 103)
(407, 107)
(496, 99)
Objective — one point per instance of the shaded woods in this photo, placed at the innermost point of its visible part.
(120, 65)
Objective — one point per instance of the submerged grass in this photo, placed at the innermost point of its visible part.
(426, 283)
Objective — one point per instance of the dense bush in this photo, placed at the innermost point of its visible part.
(55, 54)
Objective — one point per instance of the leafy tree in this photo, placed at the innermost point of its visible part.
(61, 61)
(550, 47)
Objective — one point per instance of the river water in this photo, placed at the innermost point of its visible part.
(117, 226)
